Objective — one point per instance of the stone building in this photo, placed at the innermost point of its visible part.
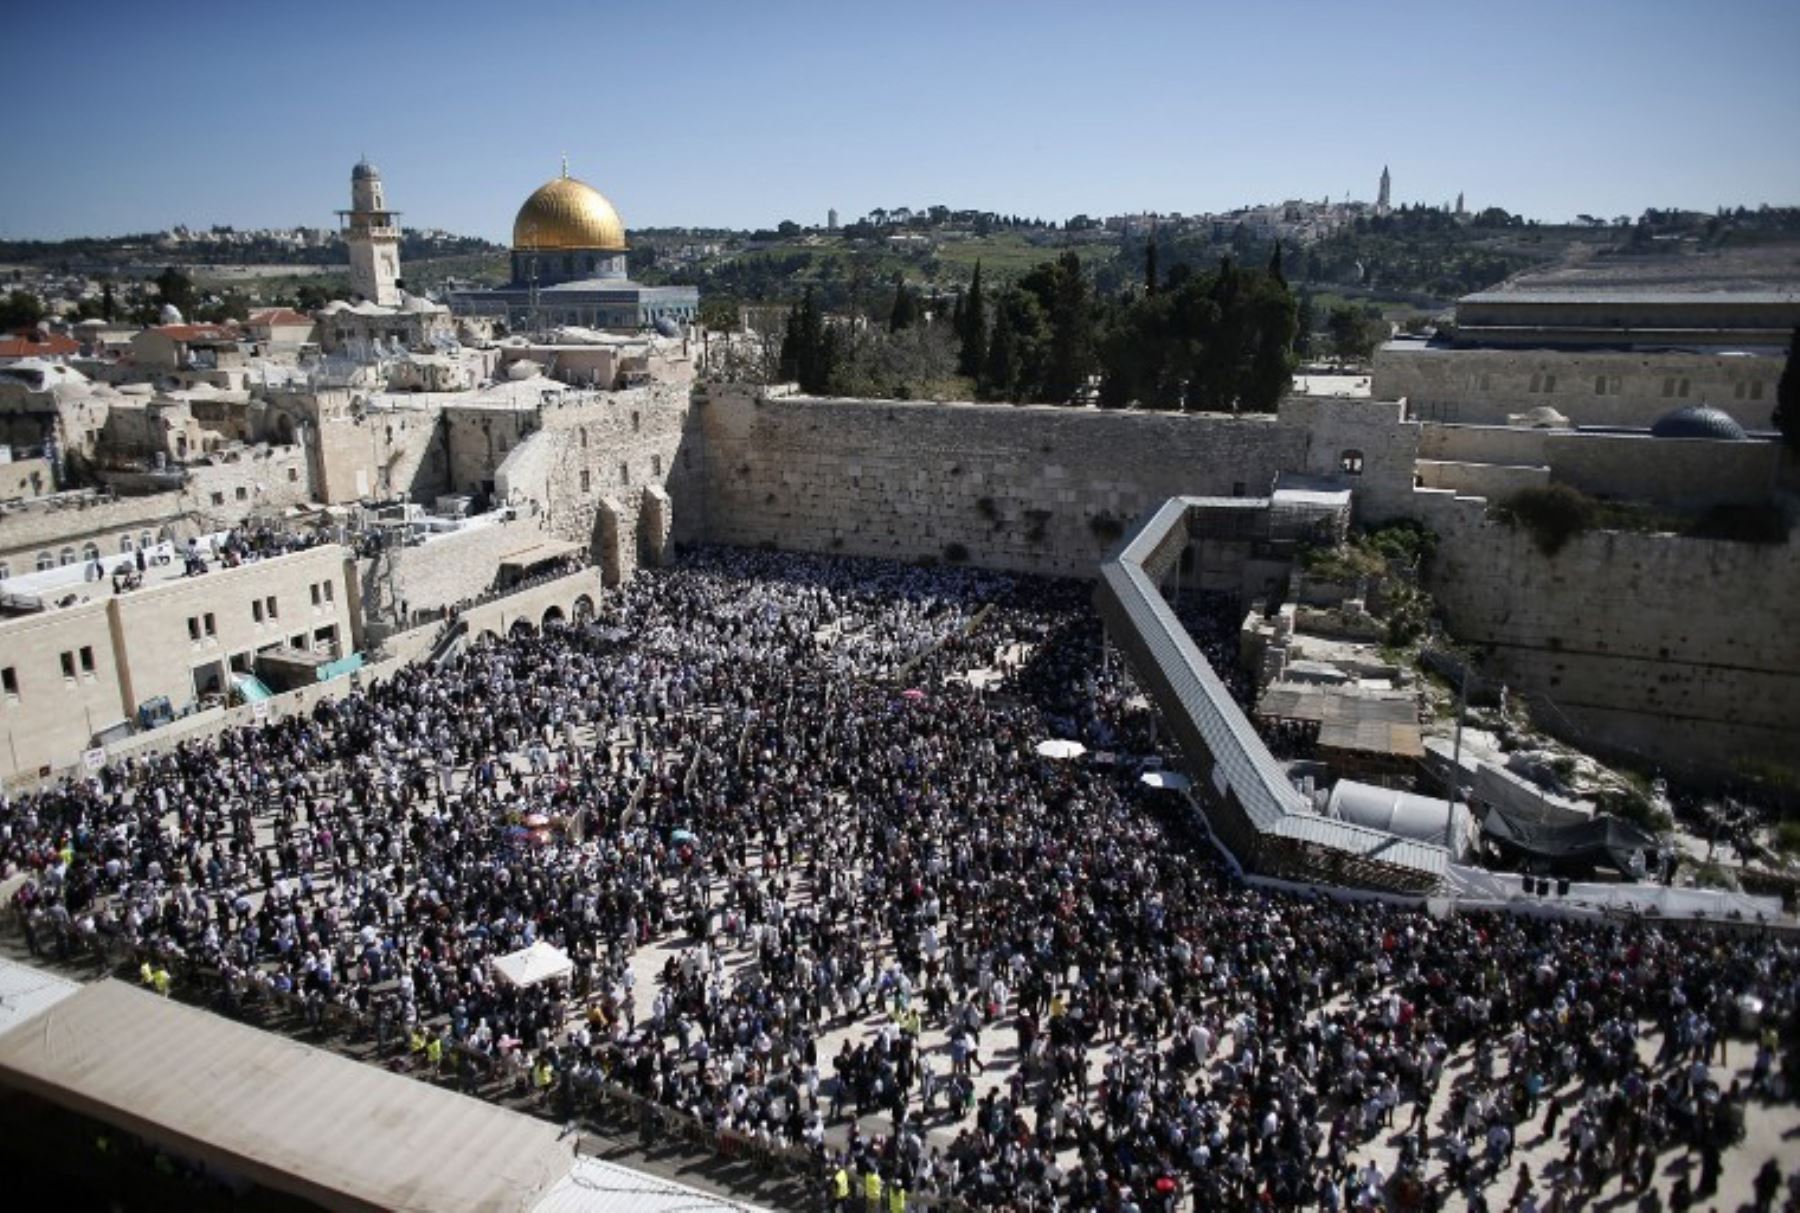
(78, 660)
(1596, 357)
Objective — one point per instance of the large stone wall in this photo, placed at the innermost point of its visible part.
(1686, 473)
(598, 460)
(1685, 651)
(1477, 386)
(1033, 488)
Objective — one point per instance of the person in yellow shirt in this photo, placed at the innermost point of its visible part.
(434, 1051)
(896, 1195)
(160, 979)
(840, 1190)
(872, 1189)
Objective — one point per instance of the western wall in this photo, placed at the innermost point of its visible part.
(1669, 646)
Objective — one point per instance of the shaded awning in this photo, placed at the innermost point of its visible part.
(1600, 841)
(541, 552)
(298, 1119)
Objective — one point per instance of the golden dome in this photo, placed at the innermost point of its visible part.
(568, 214)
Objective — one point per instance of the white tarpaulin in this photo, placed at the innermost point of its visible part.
(1055, 748)
(534, 965)
(1172, 781)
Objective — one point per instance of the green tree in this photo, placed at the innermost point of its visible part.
(20, 310)
(1787, 396)
(971, 358)
(1000, 374)
(1062, 291)
(1354, 330)
(176, 289)
(1304, 322)
(1150, 275)
(905, 312)
(109, 304)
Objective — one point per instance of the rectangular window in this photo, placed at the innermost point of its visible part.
(243, 494)
(1537, 383)
(1684, 389)
(9, 681)
(656, 466)
(318, 595)
(624, 473)
(218, 498)
(87, 659)
(330, 593)
(1599, 385)
(68, 665)
(1668, 388)
(1756, 389)
(585, 480)
(1549, 384)
(273, 613)
(255, 610)
(212, 628)
(293, 475)
(193, 627)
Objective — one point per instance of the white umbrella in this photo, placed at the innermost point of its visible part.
(534, 965)
(1172, 781)
(983, 678)
(1057, 748)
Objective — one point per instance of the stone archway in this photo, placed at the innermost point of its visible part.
(553, 615)
(583, 608)
(608, 541)
(520, 628)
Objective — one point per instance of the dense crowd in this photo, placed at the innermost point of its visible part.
(822, 892)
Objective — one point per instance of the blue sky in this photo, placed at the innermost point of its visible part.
(132, 116)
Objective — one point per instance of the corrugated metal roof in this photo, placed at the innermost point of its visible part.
(594, 1185)
(292, 1117)
(24, 991)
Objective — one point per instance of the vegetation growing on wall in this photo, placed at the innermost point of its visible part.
(1557, 513)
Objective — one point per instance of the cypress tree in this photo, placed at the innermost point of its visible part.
(972, 357)
(1275, 265)
(905, 311)
(1001, 370)
(1150, 274)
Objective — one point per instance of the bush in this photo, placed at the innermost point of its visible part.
(1787, 837)
(1554, 515)
(1764, 522)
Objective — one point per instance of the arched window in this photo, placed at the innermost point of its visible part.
(67, 557)
(45, 561)
(584, 437)
(125, 544)
(90, 552)
(145, 542)
(5, 570)
(1350, 463)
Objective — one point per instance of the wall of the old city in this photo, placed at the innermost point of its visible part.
(1030, 488)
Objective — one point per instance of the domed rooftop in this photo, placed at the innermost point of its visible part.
(363, 170)
(1698, 421)
(568, 214)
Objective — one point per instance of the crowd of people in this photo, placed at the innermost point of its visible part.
(822, 892)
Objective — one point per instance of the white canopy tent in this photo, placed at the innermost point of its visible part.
(533, 966)
(1061, 748)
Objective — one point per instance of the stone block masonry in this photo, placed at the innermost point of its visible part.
(1026, 488)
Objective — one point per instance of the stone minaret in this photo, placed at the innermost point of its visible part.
(1381, 199)
(373, 234)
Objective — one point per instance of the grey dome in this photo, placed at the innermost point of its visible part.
(1698, 421)
(363, 171)
(668, 326)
